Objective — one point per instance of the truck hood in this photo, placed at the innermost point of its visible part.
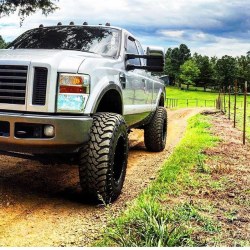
(61, 60)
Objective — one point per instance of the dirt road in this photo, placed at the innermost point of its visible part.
(40, 202)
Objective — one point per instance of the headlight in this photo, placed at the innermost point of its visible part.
(73, 92)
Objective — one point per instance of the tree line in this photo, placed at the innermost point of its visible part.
(203, 71)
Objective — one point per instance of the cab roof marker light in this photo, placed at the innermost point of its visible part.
(107, 24)
(41, 26)
(85, 23)
(59, 24)
(71, 23)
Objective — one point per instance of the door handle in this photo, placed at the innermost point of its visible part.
(122, 79)
(144, 85)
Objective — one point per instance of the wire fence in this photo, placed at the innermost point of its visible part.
(235, 106)
(238, 111)
(175, 103)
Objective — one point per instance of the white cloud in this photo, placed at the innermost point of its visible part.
(200, 24)
(177, 34)
(223, 46)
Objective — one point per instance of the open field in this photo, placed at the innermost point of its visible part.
(194, 88)
(207, 99)
(174, 92)
(192, 96)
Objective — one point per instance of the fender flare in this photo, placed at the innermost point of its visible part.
(111, 86)
(161, 94)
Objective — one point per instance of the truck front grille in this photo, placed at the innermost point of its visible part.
(40, 86)
(13, 80)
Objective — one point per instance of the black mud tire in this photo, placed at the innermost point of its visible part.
(155, 133)
(103, 160)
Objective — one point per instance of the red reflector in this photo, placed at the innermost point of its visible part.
(72, 89)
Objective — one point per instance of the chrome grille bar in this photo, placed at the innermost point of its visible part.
(13, 80)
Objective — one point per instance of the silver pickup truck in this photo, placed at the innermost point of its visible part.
(80, 89)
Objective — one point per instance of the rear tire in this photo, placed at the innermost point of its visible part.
(103, 160)
(155, 133)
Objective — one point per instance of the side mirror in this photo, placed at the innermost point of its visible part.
(154, 57)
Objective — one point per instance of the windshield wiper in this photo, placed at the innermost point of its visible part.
(69, 49)
(82, 50)
(88, 51)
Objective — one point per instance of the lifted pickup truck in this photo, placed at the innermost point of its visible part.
(80, 89)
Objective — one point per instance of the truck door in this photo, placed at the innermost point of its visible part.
(135, 92)
(148, 83)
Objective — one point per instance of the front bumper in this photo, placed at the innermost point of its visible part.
(70, 133)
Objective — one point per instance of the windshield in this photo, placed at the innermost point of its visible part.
(99, 40)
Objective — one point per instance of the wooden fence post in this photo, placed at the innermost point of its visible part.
(229, 102)
(224, 98)
(245, 114)
(235, 99)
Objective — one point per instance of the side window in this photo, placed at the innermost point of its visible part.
(141, 51)
(132, 49)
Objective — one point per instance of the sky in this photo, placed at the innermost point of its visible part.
(208, 27)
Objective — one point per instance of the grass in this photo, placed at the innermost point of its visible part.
(174, 92)
(239, 118)
(194, 88)
(153, 220)
(202, 99)
(188, 204)
(195, 98)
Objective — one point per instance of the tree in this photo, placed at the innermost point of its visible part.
(2, 43)
(26, 7)
(226, 69)
(168, 68)
(184, 53)
(189, 72)
(174, 58)
(243, 66)
(206, 76)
